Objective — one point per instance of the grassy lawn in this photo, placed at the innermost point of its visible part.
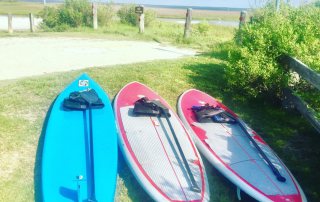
(24, 104)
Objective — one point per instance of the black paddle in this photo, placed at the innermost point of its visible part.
(195, 187)
(82, 101)
(264, 156)
(90, 96)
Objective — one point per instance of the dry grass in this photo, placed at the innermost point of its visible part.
(197, 14)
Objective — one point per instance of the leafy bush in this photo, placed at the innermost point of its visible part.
(149, 17)
(203, 27)
(106, 14)
(253, 67)
(127, 15)
(73, 13)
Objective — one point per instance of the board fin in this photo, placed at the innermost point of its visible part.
(239, 193)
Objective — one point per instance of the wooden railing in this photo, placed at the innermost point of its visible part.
(291, 100)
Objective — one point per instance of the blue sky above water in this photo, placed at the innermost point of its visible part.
(209, 3)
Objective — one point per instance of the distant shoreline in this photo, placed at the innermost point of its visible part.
(196, 7)
(158, 6)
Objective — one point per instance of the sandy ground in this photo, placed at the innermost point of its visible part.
(21, 57)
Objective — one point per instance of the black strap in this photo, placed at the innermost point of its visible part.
(144, 106)
(79, 100)
(208, 113)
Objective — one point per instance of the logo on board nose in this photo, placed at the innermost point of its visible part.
(83, 83)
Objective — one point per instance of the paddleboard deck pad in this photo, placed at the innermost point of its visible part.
(69, 154)
(152, 153)
(229, 148)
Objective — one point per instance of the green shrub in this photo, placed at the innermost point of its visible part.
(73, 13)
(203, 27)
(50, 17)
(253, 63)
(106, 14)
(127, 14)
(149, 17)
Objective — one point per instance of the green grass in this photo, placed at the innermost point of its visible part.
(24, 104)
(197, 14)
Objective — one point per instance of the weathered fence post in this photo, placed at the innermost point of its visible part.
(31, 19)
(277, 5)
(95, 16)
(10, 29)
(140, 11)
(141, 23)
(187, 25)
(242, 22)
(242, 19)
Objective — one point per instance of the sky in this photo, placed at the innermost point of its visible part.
(208, 3)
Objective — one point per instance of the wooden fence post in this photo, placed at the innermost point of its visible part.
(242, 19)
(187, 25)
(95, 16)
(10, 29)
(242, 22)
(31, 19)
(141, 19)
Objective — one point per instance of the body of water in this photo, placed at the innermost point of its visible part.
(18, 22)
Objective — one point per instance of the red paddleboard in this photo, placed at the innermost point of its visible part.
(151, 150)
(229, 147)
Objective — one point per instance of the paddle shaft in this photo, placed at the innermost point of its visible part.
(193, 182)
(264, 156)
(93, 191)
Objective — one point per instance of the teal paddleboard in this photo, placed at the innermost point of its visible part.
(79, 165)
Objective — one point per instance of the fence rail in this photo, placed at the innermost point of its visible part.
(293, 101)
(303, 70)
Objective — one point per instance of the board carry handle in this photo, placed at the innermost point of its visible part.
(264, 156)
(195, 186)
